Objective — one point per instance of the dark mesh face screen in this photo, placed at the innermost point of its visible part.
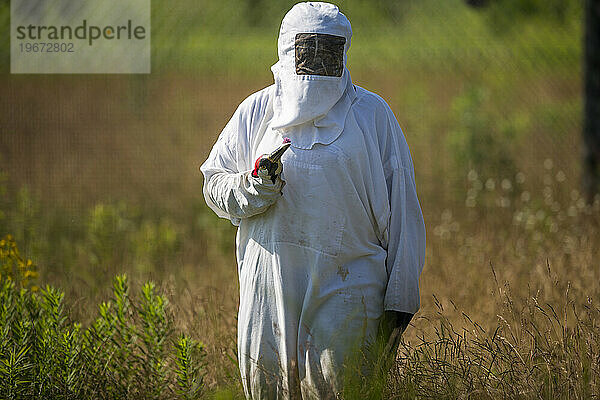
(319, 54)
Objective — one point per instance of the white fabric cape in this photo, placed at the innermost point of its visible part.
(344, 242)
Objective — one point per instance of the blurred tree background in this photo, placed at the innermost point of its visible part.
(465, 81)
(99, 173)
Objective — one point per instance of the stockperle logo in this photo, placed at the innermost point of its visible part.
(89, 36)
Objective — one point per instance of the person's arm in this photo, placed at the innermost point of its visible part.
(404, 237)
(405, 243)
(240, 195)
(230, 190)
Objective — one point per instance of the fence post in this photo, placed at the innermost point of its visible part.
(591, 123)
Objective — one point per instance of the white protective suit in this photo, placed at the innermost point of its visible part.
(321, 257)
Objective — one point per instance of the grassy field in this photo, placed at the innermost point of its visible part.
(100, 176)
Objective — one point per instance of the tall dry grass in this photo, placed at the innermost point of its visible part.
(511, 294)
(510, 289)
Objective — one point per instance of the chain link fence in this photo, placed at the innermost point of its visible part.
(490, 87)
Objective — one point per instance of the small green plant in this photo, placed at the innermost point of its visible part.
(130, 351)
(188, 353)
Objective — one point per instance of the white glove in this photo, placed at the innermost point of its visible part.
(243, 195)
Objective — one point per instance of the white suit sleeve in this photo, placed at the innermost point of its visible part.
(229, 188)
(405, 233)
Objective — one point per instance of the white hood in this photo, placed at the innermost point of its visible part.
(311, 108)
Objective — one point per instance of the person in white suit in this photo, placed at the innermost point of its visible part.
(331, 242)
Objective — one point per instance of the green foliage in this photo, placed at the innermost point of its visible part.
(482, 141)
(508, 15)
(106, 235)
(130, 350)
(15, 268)
(26, 218)
(219, 37)
(107, 228)
(116, 235)
(3, 179)
(219, 232)
(227, 394)
(155, 244)
(189, 380)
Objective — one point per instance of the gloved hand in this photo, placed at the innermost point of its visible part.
(243, 195)
(391, 327)
(269, 166)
